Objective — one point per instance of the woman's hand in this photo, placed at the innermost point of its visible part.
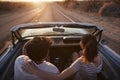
(76, 55)
(30, 67)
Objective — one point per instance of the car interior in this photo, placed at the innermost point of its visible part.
(60, 55)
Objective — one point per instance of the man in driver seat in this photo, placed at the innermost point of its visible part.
(35, 50)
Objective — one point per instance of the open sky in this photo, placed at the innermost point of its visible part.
(31, 0)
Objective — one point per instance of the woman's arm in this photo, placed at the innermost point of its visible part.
(98, 60)
(32, 68)
(66, 73)
(76, 55)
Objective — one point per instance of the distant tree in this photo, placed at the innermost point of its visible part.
(110, 9)
(66, 2)
(92, 5)
(116, 1)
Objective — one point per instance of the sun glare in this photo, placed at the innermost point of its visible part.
(32, 0)
(42, 0)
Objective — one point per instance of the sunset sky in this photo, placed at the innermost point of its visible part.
(31, 0)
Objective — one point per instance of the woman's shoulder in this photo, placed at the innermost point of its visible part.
(98, 63)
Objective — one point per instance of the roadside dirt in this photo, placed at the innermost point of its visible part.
(111, 26)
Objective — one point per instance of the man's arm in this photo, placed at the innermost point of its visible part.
(31, 68)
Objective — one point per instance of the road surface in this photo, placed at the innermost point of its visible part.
(51, 12)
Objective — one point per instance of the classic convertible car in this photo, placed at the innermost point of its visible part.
(66, 36)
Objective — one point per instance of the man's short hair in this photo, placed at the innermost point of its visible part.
(37, 48)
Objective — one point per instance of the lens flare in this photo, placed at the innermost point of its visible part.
(31, 0)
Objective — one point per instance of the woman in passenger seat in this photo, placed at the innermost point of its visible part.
(85, 67)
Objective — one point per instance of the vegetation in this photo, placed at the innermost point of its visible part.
(101, 7)
(110, 9)
(116, 1)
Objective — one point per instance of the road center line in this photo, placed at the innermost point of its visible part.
(65, 16)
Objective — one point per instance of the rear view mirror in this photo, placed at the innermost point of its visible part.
(104, 42)
(59, 29)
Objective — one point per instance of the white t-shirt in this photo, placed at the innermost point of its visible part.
(20, 74)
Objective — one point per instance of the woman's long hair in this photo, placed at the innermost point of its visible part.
(90, 49)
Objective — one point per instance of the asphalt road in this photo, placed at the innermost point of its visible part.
(48, 12)
(44, 13)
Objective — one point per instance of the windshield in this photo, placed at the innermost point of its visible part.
(55, 31)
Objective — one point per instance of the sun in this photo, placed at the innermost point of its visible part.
(34, 0)
(42, 0)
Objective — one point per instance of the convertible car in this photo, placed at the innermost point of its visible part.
(66, 36)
